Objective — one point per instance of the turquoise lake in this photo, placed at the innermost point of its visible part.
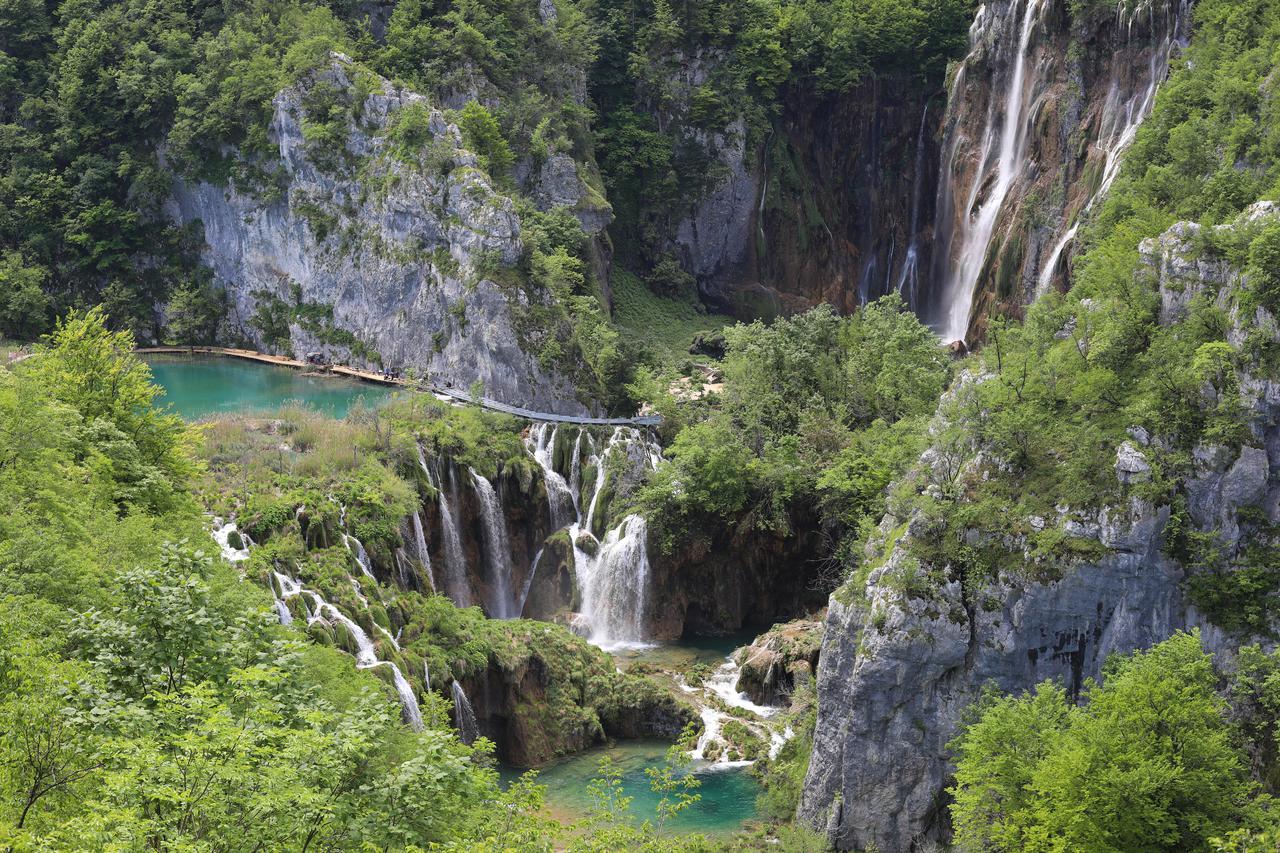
(209, 386)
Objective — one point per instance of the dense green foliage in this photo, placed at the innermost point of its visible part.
(1148, 761)
(817, 415)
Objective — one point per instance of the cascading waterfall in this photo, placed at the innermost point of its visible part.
(420, 546)
(497, 549)
(366, 653)
(722, 692)
(1121, 115)
(222, 533)
(362, 556)
(541, 442)
(1002, 159)
(615, 584)
(909, 278)
(455, 579)
(528, 582)
(614, 580)
(463, 716)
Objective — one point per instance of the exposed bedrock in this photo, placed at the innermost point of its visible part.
(356, 250)
(900, 662)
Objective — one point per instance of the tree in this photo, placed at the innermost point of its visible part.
(1147, 763)
(24, 306)
(482, 134)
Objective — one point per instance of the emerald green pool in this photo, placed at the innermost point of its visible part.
(728, 794)
(207, 386)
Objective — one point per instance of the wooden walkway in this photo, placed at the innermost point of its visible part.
(450, 395)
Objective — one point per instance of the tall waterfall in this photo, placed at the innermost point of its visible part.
(455, 569)
(1125, 107)
(1002, 156)
(909, 277)
(463, 716)
(1007, 163)
(614, 580)
(497, 549)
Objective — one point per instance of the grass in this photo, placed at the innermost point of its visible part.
(665, 327)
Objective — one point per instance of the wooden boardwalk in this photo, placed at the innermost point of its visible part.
(450, 395)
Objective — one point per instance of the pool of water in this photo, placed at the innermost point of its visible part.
(728, 794)
(689, 651)
(207, 386)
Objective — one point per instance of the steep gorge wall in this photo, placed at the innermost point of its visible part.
(371, 256)
(901, 662)
(964, 199)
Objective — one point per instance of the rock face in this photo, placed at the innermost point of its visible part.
(778, 659)
(830, 207)
(368, 253)
(898, 186)
(898, 667)
(1037, 117)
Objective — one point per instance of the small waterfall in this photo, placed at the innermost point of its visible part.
(420, 546)
(721, 688)
(1050, 268)
(541, 442)
(366, 654)
(222, 533)
(615, 585)
(362, 557)
(463, 717)
(497, 548)
(456, 586)
(528, 582)
(909, 278)
(426, 677)
(1005, 135)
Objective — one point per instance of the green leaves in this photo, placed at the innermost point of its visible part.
(1146, 763)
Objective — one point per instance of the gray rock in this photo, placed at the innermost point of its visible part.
(400, 250)
(1131, 465)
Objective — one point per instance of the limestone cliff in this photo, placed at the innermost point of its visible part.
(911, 645)
(377, 242)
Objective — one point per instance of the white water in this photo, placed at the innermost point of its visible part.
(362, 557)
(1121, 116)
(366, 653)
(721, 687)
(909, 278)
(463, 716)
(420, 546)
(1009, 146)
(455, 579)
(615, 584)
(541, 442)
(222, 535)
(497, 549)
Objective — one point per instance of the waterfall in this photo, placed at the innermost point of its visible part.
(722, 691)
(456, 586)
(528, 582)
(222, 535)
(540, 442)
(426, 677)
(615, 585)
(420, 544)
(1121, 116)
(366, 654)
(497, 548)
(909, 278)
(464, 718)
(995, 175)
(362, 557)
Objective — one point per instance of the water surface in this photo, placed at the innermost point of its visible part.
(728, 794)
(203, 386)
